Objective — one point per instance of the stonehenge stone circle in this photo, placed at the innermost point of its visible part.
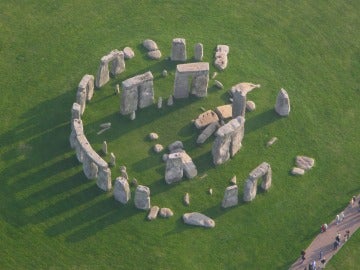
(230, 197)
(224, 111)
(87, 83)
(198, 52)
(154, 210)
(221, 59)
(205, 119)
(142, 197)
(178, 50)
(282, 106)
(115, 57)
(174, 168)
(198, 219)
(122, 190)
(250, 188)
(228, 140)
(75, 111)
(198, 72)
(239, 92)
(207, 132)
(137, 92)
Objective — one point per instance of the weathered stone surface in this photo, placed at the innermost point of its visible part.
(104, 179)
(297, 171)
(178, 50)
(166, 212)
(112, 161)
(205, 119)
(154, 55)
(207, 132)
(233, 180)
(239, 104)
(199, 72)
(153, 136)
(198, 219)
(271, 141)
(104, 148)
(214, 75)
(138, 91)
(115, 57)
(173, 147)
(198, 52)
(187, 199)
(165, 157)
(174, 168)
(133, 115)
(105, 125)
(189, 167)
(250, 190)
(76, 130)
(87, 84)
(81, 100)
(230, 197)
(210, 191)
(75, 111)
(218, 84)
(89, 167)
(221, 59)
(158, 148)
(305, 163)
(170, 101)
(142, 197)
(123, 172)
(128, 53)
(250, 105)
(117, 89)
(159, 104)
(150, 45)
(228, 140)
(282, 106)
(154, 210)
(264, 171)
(244, 87)
(134, 182)
(224, 111)
(122, 190)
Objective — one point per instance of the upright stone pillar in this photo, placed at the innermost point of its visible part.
(198, 52)
(239, 104)
(118, 62)
(199, 85)
(75, 111)
(282, 106)
(103, 76)
(230, 197)
(178, 50)
(81, 99)
(221, 147)
(104, 178)
(122, 190)
(87, 83)
(89, 167)
(250, 190)
(142, 197)
(238, 125)
(181, 85)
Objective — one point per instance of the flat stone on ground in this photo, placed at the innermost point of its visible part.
(224, 111)
(198, 219)
(304, 162)
(297, 171)
(205, 119)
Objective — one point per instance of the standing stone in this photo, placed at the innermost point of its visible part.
(221, 59)
(174, 168)
(175, 146)
(233, 180)
(75, 111)
(124, 173)
(81, 99)
(89, 167)
(239, 104)
(230, 197)
(104, 178)
(262, 171)
(87, 84)
(154, 210)
(112, 159)
(250, 190)
(166, 212)
(132, 115)
(115, 57)
(189, 168)
(207, 132)
(198, 52)
(122, 190)
(178, 50)
(142, 197)
(170, 101)
(128, 53)
(159, 104)
(282, 106)
(187, 199)
(198, 219)
(117, 89)
(164, 73)
(104, 148)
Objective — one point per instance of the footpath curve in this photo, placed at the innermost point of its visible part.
(325, 241)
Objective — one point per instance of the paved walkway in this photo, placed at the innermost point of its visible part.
(325, 241)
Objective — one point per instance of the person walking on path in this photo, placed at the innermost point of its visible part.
(303, 256)
(342, 216)
(337, 219)
(352, 201)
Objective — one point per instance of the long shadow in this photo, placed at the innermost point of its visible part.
(260, 120)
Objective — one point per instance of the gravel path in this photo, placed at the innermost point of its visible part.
(325, 241)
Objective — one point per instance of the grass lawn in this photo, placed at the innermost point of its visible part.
(52, 217)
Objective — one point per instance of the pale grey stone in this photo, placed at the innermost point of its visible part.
(154, 210)
(210, 191)
(239, 104)
(117, 89)
(198, 52)
(198, 219)
(218, 84)
(282, 106)
(166, 212)
(224, 111)
(89, 167)
(170, 101)
(75, 111)
(221, 59)
(165, 157)
(214, 75)
(158, 148)
(187, 199)
(116, 58)
(153, 136)
(230, 196)
(233, 180)
(133, 115)
(206, 118)
(189, 168)
(262, 171)
(250, 105)
(155, 55)
(305, 163)
(297, 171)
(164, 73)
(112, 161)
(105, 125)
(175, 145)
(81, 100)
(128, 53)
(244, 87)
(150, 45)
(87, 84)
(122, 190)
(174, 168)
(104, 179)
(207, 132)
(271, 141)
(159, 104)
(249, 190)
(104, 147)
(142, 197)
(178, 50)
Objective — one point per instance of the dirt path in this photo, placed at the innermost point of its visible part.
(325, 241)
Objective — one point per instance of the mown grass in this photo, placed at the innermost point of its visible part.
(53, 217)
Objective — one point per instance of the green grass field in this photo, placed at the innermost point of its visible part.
(52, 217)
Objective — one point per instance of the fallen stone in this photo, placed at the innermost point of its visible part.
(244, 87)
(102, 130)
(154, 210)
(214, 75)
(122, 190)
(205, 119)
(250, 105)
(153, 136)
(305, 163)
(158, 148)
(198, 219)
(218, 84)
(105, 125)
(230, 197)
(128, 53)
(202, 109)
(150, 45)
(166, 212)
(187, 199)
(142, 197)
(297, 171)
(282, 106)
(271, 141)
(207, 132)
(154, 55)
(224, 111)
